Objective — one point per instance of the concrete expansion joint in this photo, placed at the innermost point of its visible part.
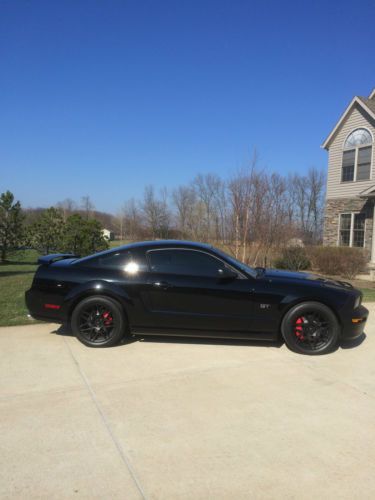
(125, 459)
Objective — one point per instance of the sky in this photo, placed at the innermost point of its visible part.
(101, 97)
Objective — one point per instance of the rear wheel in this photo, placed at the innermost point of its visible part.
(98, 321)
(310, 328)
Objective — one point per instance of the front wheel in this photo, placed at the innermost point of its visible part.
(311, 328)
(98, 321)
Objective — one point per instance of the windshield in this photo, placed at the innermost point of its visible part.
(237, 263)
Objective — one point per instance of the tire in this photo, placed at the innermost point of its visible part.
(98, 321)
(311, 328)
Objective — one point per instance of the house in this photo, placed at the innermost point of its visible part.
(350, 198)
(108, 235)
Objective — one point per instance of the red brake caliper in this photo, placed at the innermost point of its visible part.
(107, 318)
(298, 329)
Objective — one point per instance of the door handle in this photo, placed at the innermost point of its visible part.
(162, 285)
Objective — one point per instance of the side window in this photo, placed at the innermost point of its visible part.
(188, 262)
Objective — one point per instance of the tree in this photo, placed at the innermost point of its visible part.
(206, 188)
(94, 238)
(83, 237)
(184, 199)
(156, 213)
(307, 195)
(46, 233)
(73, 234)
(133, 220)
(11, 223)
(244, 197)
(87, 206)
(316, 184)
(67, 207)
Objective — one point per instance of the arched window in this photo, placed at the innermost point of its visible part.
(356, 158)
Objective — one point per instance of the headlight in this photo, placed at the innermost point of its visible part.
(358, 301)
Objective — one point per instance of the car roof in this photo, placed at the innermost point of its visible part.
(165, 243)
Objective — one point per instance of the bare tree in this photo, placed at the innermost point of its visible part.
(252, 214)
(87, 206)
(184, 199)
(120, 222)
(307, 195)
(67, 207)
(156, 213)
(206, 188)
(315, 185)
(242, 199)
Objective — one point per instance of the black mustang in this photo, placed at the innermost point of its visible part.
(189, 289)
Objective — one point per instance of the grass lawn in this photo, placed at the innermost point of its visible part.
(15, 278)
(368, 294)
(118, 243)
(17, 274)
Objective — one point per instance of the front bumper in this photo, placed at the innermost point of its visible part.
(354, 323)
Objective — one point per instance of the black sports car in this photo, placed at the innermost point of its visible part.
(181, 288)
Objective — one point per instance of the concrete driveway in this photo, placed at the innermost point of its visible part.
(184, 419)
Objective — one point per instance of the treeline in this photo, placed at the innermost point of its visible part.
(48, 232)
(248, 214)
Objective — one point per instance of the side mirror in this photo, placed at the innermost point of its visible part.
(227, 274)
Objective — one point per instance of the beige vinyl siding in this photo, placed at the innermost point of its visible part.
(335, 188)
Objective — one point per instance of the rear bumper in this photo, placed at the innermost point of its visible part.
(42, 307)
(354, 323)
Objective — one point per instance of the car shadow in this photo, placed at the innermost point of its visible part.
(161, 339)
(66, 331)
(209, 341)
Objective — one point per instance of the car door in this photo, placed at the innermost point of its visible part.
(186, 292)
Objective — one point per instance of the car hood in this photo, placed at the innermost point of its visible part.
(275, 274)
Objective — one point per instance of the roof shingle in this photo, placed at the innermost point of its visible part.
(370, 103)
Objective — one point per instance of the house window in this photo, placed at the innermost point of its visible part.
(356, 157)
(345, 224)
(352, 230)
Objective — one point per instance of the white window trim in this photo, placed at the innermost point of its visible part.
(351, 231)
(356, 148)
(354, 130)
(356, 164)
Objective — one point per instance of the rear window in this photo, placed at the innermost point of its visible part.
(131, 262)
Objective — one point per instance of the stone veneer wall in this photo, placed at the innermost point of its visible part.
(334, 207)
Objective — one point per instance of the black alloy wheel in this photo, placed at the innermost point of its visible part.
(98, 321)
(311, 328)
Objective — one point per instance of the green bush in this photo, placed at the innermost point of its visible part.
(50, 233)
(83, 237)
(293, 258)
(338, 261)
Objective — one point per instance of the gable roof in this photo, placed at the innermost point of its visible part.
(368, 104)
